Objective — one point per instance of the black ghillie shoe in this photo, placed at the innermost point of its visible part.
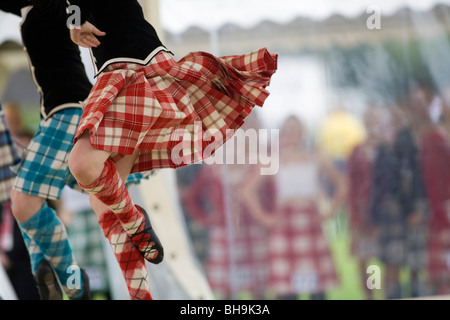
(148, 242)
(47, 282)
(86, 287)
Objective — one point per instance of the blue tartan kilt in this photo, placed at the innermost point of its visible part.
(44, 170)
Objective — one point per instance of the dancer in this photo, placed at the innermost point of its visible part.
(144, 103)
(234, 202)
(13, 251)
(60, 102)
(62, 83)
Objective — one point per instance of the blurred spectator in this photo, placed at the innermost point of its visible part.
(237, 259)
(386, 211)
(300, 257)
(8, 156)
(435, 153)
(18, 129)
(13, 253)
(204, 202)
(399, 204)
(411, 195)
(364, 242)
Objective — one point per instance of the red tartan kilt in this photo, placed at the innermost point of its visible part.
(169, 110)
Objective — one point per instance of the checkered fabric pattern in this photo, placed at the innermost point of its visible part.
(110, 189)
(49, 234)
(137, 177)
(128, 256)
(438, 263)
(300, 258)
(176, 113)
(133, 179)
(8, 157)
(44, 171)
(86, 240)
(35, 254)
(364, 244)
(237, 244)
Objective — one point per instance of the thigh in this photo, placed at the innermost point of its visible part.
(84, 152)
(125, 164)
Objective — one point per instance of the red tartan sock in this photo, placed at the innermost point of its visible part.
(128, 256)
(112, 191)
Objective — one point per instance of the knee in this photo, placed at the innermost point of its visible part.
(25, 206)
(85, 166)
(81, 168)
(86, 162)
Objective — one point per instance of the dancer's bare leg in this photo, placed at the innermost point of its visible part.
(92, 161)
(25, 205)
(86, 162)
(98, 174)
(124, 166)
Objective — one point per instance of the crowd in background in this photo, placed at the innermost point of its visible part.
(265, 236)
(398, 193)
(75, 211)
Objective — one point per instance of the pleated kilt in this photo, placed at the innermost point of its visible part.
(175, 112)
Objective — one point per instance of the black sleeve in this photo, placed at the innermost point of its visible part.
(52, 9)
(13, 6)
(85, 9)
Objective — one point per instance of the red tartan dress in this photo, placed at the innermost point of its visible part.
(175, 112)
(360, 166)
(435, 154)
(300, 257)
(237, 259)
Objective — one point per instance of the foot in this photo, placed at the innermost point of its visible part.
(147, 241)
(47, 282)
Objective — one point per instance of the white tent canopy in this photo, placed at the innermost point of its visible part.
(176, 15)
